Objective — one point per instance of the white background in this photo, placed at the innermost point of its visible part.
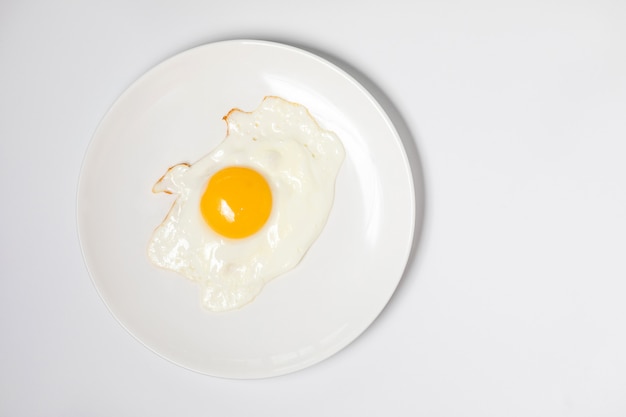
(513, 301)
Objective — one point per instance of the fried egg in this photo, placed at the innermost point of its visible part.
(250, 209)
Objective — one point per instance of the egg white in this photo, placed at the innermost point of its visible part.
(299, 159)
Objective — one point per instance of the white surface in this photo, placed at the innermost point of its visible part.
(173, 114)
(514, 301)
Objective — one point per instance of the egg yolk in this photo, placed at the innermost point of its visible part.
(237, 202)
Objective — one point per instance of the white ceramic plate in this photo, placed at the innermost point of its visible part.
(173, 114)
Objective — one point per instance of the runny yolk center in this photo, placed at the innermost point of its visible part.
(237, 202)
